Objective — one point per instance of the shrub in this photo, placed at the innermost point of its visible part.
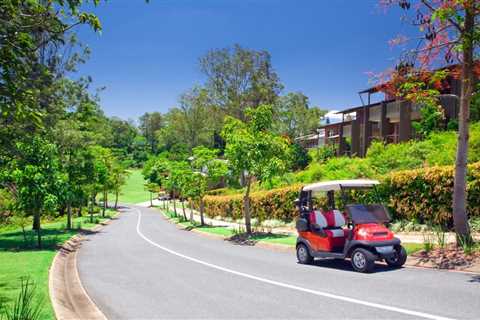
(425, 195)
(337, 168)
(323, 153)
(275, 204)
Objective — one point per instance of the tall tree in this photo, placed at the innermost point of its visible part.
(239, 78)
(150, 124)
(294, 117)
(29, 29)
(196, 113)
(34, 179)
(450, 31)
(253, 150)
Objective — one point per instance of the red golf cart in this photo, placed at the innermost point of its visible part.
(359, 232)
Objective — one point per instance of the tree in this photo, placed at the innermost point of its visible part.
(450, 30)
(239, 78)
(27, 30)
(104, 163)
(123, 134)
(150, 123)
(253, 150)
(194, 106)
(173, 182)
(294, 117)
(119, 178)
(34, 177)
(208, 170)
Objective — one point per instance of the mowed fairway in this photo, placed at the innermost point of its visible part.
(133, 191)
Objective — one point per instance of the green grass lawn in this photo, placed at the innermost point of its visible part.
(412, 247)
(133, 191)
(20, 259)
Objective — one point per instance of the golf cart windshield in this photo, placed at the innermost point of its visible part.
(371, 213)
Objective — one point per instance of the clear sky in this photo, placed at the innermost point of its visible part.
(147, 54)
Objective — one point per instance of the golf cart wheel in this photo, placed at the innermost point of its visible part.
(363, 260)
(303, 255)
(398, 259)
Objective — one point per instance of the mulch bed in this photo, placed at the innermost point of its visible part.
(450, 257)
(245, 239)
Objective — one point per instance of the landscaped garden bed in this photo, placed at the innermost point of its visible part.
(450, 257)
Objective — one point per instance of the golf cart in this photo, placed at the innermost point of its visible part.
(358, 233)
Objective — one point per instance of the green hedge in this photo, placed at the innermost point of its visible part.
(272, 204)
(424, 195)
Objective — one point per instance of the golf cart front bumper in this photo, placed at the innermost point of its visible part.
(383, 249)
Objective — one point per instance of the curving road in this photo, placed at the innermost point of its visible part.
(143, 267)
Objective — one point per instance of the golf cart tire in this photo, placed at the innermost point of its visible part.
(303, 254)
(399, 260)
(363, 260)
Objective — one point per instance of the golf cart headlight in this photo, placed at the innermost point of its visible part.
(363, 233)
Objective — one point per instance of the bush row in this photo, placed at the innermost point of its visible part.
(265, 205)
(423, 195)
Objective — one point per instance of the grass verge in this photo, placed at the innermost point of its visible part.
(19, 258)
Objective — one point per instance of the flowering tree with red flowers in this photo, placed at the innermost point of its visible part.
(450, 33)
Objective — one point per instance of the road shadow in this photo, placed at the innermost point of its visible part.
(52, 239)
(345, 265)
(475, 279)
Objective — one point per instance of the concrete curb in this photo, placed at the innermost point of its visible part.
(412, 262)
(67, 294)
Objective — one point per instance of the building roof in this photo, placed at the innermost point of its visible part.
(353, 109)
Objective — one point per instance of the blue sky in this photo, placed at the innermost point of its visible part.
(147, 54)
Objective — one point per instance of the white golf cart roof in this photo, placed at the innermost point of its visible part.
(339, 184)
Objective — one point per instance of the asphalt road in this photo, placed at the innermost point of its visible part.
(143, 267)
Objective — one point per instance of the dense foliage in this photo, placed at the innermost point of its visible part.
(420, 195)
(57, 148)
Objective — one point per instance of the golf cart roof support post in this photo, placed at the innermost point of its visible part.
(377, 195)
(343, 196)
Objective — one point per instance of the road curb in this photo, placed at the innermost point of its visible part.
(67, 294)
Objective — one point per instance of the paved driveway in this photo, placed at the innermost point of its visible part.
(143, 267)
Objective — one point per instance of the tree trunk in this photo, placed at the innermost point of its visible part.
(36, 221)
(79, 211)
(69, 216)
(183, 209)
(24, 234)
(39, 233)
(90, 208)
(192, 220)
(105, 203)
(460, 218)
(246, 207)
(202, 209)
(174, 205)
(151, 199)
(116, 199)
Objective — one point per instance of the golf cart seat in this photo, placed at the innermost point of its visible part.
(331, 222)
